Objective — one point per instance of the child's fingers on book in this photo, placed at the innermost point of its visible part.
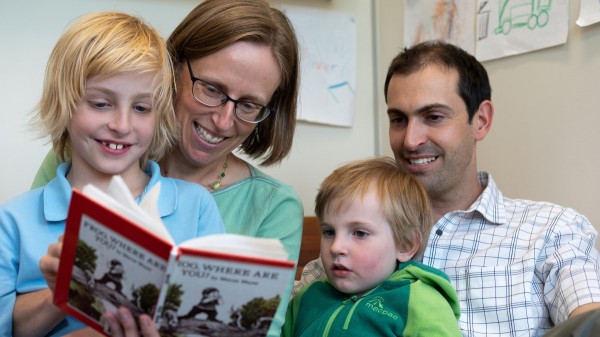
(54, 249)
(49, 264)
(147, 326)
(49, 268)
(121, 323)
(113, 324)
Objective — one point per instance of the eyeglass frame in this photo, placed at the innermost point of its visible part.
(266, 110)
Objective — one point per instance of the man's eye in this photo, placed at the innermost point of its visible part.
(397, 120)
(435, 117)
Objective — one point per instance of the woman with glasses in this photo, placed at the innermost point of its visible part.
(237, 80)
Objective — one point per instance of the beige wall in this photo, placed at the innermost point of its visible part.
(544, 140)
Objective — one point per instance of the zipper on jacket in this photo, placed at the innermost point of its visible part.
(354, 299)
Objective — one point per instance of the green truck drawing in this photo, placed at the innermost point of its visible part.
(521, 13)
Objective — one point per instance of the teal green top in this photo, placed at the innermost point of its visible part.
(416, 300)
(258, 206)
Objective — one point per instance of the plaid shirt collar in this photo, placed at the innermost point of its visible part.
(490, 204)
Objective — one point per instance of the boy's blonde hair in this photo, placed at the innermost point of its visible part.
(402, 198)
(104, 44)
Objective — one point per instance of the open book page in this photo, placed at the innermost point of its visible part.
(228, 285)
(239, 245)
(119, 199)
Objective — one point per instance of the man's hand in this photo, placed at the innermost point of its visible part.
(584, 308)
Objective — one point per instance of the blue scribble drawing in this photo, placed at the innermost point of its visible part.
(521, 13)
(333, 88)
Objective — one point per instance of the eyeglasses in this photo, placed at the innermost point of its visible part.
(211, 96)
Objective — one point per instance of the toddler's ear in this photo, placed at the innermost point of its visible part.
(406, 253)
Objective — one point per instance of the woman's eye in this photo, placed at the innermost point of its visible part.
(212, 91)
(249, 107)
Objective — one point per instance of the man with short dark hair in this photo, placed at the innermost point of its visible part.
(519, 266)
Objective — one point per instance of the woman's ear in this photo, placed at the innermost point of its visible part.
(406, 253)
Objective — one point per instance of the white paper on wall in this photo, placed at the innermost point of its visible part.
(451, 21)
(328, 61)
(589, 12)
(509, 27)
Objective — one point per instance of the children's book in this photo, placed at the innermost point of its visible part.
(118, 253)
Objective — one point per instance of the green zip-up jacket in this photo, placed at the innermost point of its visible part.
(416, 300)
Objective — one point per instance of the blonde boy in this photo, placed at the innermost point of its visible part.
(107, 107)
(368, 209)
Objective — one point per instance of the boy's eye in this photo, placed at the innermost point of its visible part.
(327, 232)
(361, 234)
(142, 109)
(98, 104)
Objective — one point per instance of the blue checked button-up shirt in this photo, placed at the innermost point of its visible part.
(517, 265)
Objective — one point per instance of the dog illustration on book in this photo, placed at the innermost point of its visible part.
(114, 275)
(208, 305)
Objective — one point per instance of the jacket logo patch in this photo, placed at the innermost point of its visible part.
(376, 304)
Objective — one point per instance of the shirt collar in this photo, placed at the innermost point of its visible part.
(57, 195)
(167, 200)
(490, 204)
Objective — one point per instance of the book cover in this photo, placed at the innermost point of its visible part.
(107, 261)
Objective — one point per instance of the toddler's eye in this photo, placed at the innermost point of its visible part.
(328, 232)
(361, 234)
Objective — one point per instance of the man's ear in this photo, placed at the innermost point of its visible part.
(482, 120)
(406, 253)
